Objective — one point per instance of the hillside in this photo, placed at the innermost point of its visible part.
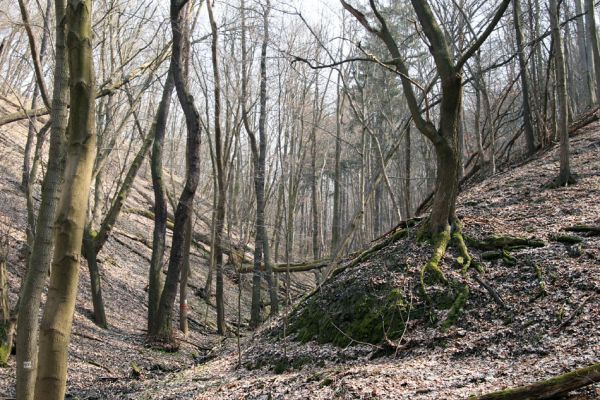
(544, 321)
(537, 317)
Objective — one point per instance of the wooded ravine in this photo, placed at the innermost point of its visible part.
(322, 199)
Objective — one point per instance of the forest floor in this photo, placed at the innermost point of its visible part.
(490, 347)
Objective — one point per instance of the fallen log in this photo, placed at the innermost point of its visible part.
(248, 267)
(550, 388)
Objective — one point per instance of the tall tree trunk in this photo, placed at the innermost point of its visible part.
(221, 180)
(562, 97)
(259, 155)
(528, 125)
(585, 86)
(162, 329)
(41, 252)
(336, 222)
(593, 38)
(407, 173)
(160, 201)
(60, 305)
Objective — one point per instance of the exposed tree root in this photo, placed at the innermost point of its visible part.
(586, 229)
(549, 388)
(540, 278)
(561, 181)
(507, 242)
(503, 255)
(431, 272)
(457, 306)
(567, 239)
(465, 258)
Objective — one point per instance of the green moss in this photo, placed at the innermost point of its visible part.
(4, 354)
(326, 382)
(4, 347)
(354, 317)
(567, 239)
(457, 307)
(503, 242)
(432, 273)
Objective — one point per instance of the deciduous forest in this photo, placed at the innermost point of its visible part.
(281, 199)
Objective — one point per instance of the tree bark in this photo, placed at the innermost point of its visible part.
(548, 389)
(259, 155)
(562, 97)
(41, 252)
(585, 78)
(593, 37)
(528, 125)
(160, 201)
(162, 330)
(60, 305)
(221, 181)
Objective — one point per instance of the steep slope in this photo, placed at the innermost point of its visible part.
(531, 315)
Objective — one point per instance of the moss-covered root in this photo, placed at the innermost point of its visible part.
(431, 272)
(465, 258)
(539, 274)
(550, 388)
(457, 307)
(496, 242)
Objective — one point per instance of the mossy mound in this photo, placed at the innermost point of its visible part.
(355, 316)
(372, 301)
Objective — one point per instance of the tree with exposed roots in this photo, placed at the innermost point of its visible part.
(442, 225)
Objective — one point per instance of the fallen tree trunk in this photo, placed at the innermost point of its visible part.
(248, 267)
(549, 388)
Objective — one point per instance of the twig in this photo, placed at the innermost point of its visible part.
(495, 296)
(575, 313)
(94, 363)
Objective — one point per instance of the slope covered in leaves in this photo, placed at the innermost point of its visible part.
(531, 314)
(101, 360)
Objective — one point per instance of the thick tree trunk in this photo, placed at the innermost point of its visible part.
(221, 180)
(447, 156)
(160, 201)
(41, 252)
(60, 305)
